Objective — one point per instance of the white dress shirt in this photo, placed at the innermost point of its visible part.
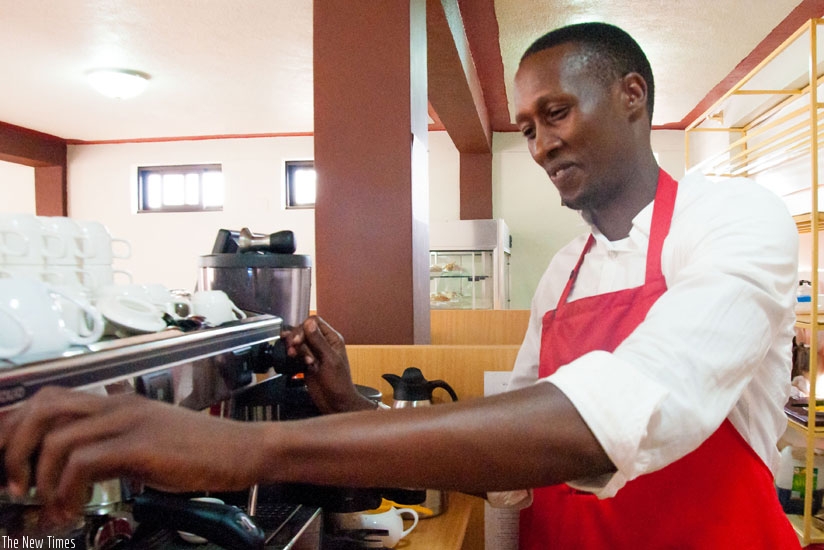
(715, 345)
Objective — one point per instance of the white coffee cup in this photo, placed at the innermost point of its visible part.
(31, 320)
(152, 293)
(132, 290)
(69, 275)
(25, 240)
(105, 275)
(103, 244)
(76, 317)
(33, 272)
(79, 246)
(390, 520)
(173, 304)
(216, 307)
(60, 275)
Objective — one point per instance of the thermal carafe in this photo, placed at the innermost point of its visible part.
(260, 281)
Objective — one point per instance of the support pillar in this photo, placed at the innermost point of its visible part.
(476, 186)
(47, 154)
(371, 210)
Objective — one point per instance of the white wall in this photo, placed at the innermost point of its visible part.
(16, 188)
(525, 198)
(668, 145)
(444, 175)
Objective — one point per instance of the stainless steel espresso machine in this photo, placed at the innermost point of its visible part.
(237, 370)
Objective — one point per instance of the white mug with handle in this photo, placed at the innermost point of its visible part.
(216, 307)
(390, 521)
(16, 337)
(31, 322)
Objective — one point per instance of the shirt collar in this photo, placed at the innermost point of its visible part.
(638, 234)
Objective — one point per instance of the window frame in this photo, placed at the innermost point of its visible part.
(292, 166)
(184, 169)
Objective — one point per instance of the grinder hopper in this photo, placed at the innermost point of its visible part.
(260, 273)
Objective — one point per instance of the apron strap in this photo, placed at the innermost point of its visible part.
(573, 275)
(660, 225)
(662, 210)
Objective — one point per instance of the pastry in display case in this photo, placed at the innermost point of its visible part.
(469, 265)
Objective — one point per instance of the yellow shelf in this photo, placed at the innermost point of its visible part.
(816, 528)
(803, 320)
(803, 429)
(804, 222)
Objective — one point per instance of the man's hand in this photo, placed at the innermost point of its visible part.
(83, 438)
(328, 378)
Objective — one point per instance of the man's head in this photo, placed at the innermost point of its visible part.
(583, 98)
(614, 53)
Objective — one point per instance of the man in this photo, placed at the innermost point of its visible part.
(663, 359)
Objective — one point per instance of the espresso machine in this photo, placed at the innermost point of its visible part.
(237, 370)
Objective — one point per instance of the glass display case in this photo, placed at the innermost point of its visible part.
(469, 264)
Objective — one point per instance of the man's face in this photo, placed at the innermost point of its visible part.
(575, 126)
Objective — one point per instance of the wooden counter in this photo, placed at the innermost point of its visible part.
(443, 532)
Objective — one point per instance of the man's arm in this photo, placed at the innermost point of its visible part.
(525, 438)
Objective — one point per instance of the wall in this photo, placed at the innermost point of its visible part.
(444, 174)
(16, 188)
(165, 247)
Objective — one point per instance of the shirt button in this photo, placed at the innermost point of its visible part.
(613, 254)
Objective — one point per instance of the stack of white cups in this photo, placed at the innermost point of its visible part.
(58, 288)
(68, 261)
(59, 251)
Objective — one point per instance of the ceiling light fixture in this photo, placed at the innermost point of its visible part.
(118, 83)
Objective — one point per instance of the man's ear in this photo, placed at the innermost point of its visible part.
(634, 95)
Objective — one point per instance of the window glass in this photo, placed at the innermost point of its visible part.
(173, 190)
(301, 184)
(188, 188)
(212, 189)
(154, 191)
(192, 189)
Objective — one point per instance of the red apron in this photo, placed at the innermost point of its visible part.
(719, 496)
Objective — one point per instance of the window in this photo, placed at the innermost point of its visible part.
(189, 188)
(300, 184)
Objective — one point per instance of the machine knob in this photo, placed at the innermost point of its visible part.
(274, 356)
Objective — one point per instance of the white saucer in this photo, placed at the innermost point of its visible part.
(132, 314)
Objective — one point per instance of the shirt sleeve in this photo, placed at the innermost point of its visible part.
(731, 266)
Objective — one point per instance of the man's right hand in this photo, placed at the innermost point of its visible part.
(327, 377)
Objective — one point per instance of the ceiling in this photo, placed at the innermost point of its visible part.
(244, 67)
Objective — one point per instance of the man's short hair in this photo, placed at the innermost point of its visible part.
(614, 53)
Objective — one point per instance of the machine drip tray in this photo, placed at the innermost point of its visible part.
(287, 526)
